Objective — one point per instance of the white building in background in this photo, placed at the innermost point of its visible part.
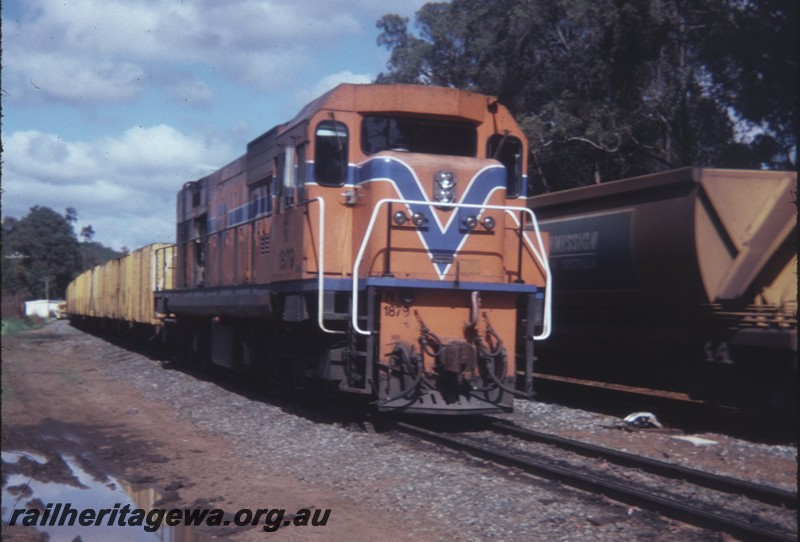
(43, 308)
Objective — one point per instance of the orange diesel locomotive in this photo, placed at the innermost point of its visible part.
(379, 244)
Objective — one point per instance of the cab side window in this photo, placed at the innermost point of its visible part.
(508, 151)
(330, 153)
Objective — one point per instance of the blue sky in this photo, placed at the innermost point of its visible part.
(110, 106)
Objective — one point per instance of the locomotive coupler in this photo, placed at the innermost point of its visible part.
(458, 358)
(455, 362)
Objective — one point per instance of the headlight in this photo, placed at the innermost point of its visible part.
(444, 190)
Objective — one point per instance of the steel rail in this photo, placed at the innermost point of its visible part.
(615, 490)
(767, 494)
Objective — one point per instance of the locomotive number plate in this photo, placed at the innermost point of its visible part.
(393, 307)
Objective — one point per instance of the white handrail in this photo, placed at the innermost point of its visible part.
(321, 269)
(538, 254)
(548, 290)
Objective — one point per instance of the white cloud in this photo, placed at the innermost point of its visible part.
(118, 63)
(84, 51)
(44, 78)
(329, 82)
(155, 149)
(184, 88)
(90, 52)
(124, 186)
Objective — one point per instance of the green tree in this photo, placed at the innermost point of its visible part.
(40, 254)
(71, 214)
(87, 232)
(750, 51)
(612, 88)
(94, 253)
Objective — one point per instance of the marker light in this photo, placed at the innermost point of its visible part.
(489, 223)
(418, 219)
(400, 218)
(471, 222)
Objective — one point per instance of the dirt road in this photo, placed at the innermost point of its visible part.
(65, 407)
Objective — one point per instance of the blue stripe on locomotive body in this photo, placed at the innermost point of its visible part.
(439, 239)
(356, 176)
(346, 285)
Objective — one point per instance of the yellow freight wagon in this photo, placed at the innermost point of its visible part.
(78, 294)
(122, 288)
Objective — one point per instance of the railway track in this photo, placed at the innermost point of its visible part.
(766, 494)
(746, 527)
(697, 512)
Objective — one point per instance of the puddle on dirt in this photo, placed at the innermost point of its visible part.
(29, 482)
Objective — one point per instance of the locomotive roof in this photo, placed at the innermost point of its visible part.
(387, 99)
(372, 98)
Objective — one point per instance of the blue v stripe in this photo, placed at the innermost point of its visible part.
(440, 240)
